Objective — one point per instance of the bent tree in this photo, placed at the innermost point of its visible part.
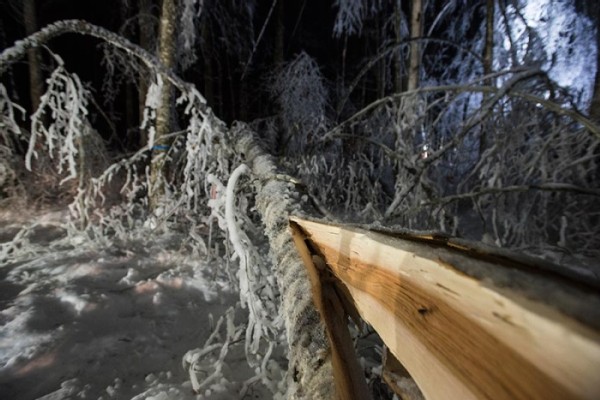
(166, 56)
(211, 149)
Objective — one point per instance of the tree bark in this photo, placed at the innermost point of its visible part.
(488, 52)
(13, 54)
(146, 39)
(595, 104)
(310, 370)
(36, 85)
(488, 60)
(398, 51)
(166, 55)
(416, 31)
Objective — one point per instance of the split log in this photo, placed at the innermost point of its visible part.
(469, 324)
(398, 378)
(349, 378)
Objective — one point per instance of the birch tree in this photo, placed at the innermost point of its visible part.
(147, 40)
(166, 55)
(416, 32)
(398, 87)
(594, 110)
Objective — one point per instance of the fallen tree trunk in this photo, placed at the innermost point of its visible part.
(467, 323)
(310, 372)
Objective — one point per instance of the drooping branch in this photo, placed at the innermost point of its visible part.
(488, 53)
(36, 81)
(486, 109)
(19, 50)
(395, 48)
(166, 54)
(546, 187)
(470, 88)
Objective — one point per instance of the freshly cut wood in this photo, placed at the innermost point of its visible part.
(398, 378)
(465, 327)
(349, 380)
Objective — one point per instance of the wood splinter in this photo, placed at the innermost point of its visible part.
(348, 375)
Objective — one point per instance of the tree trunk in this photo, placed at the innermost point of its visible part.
(145, 11)
(130, 113)
(488, 51)
(595, 105)
(244, 112)
(166, 55)
(341, 90)
(208, 66)
(130, 101)
(220, 92)
(278, 53)
(381, 72)
(232, 109)
(310, 370)
(398, 52)
(36, 85)
(416, 31)
(488, 60)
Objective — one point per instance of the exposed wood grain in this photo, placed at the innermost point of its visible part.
(349, 378)
(460, 337)
(398, 378)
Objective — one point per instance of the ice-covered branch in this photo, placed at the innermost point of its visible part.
(8, 123)
(261, 307)
(309, 365)
(547, 187)
(65, 104)
(468, 88)
(395, 48)
(51, 31)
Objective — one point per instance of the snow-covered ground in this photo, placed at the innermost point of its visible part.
(111, 323)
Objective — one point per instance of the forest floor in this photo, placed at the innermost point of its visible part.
(92, 322)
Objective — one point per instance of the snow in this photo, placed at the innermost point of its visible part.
(301, 93)
(65, 101)
(153, 102)
(93, 322)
